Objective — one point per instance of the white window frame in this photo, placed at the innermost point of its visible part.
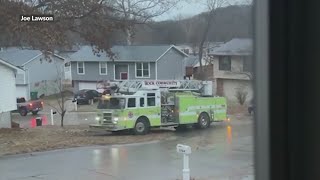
(114, 72)
(84, 68)
(100, 66)
(142, 70)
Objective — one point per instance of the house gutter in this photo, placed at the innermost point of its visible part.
(31, 59)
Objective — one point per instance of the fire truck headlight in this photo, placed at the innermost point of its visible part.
(115, 120)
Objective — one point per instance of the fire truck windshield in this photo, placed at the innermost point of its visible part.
(112, 103)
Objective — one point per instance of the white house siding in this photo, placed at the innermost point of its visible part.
(22, 91)
(8, 97)
(230, 88)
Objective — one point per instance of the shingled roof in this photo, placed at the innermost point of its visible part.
(124, 53)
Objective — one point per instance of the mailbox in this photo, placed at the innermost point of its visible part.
(183, 149)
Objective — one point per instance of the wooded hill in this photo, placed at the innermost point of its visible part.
(229, 22)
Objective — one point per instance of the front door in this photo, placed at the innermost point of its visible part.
(123, 75)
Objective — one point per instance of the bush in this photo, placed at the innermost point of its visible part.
(241, 95)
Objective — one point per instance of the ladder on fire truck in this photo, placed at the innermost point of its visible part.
(132, 86)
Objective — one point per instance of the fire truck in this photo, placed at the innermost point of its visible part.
(145, 104)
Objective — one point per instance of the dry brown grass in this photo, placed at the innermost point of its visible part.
(15, 141)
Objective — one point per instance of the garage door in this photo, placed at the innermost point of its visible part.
(22, 91)
(87, 85)
(230, 88)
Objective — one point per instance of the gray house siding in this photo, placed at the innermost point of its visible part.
(44, 70)
(42, 74)
(171, 66)
(91, 72)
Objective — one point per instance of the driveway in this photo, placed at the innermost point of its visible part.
(221, 152)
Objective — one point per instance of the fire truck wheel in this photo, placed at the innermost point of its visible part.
(203, 121)
(142, 126)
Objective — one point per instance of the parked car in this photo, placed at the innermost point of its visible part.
(33, 106)
(85, 96)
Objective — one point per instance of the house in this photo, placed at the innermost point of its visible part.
(37, 72)
(156, 62)
(193, 64)
(232, 68)
(7, 96)
(193, 48)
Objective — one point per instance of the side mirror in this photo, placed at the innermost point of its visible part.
(74, 101)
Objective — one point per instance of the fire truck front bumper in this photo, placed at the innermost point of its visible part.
(105, 127)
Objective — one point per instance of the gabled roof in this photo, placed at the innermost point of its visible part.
(20, 57)
(17, 56)
(9, 65)
(236, 46)
(149, 53)
(192, 60)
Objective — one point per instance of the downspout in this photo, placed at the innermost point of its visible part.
(156, 70)
(29, 87)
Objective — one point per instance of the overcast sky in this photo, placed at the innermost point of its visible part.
(188, 8)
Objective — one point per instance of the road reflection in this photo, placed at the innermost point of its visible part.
(229, 134)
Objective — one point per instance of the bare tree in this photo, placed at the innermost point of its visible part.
(212, 5)
(134, 12)
(60, 89)
(241, 95)
(93, 21)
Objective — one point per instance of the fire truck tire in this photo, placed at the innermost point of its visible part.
(23, 111)
(142, 126)
(203, 121)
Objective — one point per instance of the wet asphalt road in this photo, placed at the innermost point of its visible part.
(221, 152)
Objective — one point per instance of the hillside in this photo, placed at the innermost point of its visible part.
(229, 22)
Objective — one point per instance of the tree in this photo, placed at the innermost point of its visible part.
(134, 12)
(93, 20)
(212, 5)
(241, 95)
(60, 90)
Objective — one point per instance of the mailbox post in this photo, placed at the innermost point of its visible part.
(185, 150)
(75, 105)
(51, 114)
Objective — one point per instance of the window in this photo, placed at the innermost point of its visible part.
(81, 69)
(103, 68)
(225, 63)
(141, 102)
(131, 102)
(142, 70)
(247, 60)
(151, 99)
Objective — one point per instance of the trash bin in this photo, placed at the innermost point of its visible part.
(39, 121)
(34, 95)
